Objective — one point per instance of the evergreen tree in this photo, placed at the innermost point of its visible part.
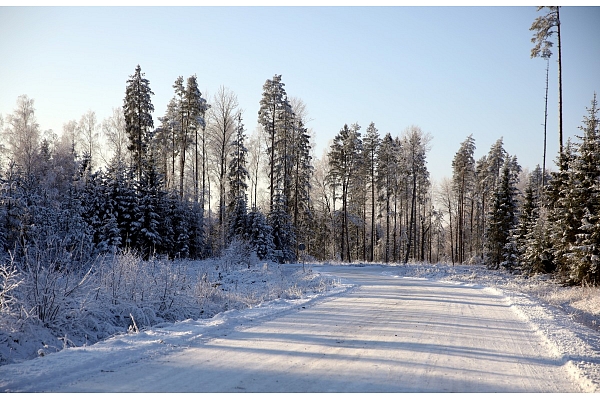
(259, 234)
(123, 202)
(544, 27)
(344, 158)
(237, 176)
(197, 235)
(272, 107)
(415, 144)
(463, 167)
(150, 211)
(284, 238)
(563, 215)
(165, 138)
(503, 216)
(584, 259)
(196, 107)
(370, 149)
(525, 235)
(300, 202)
(387, 168)
(138, 108)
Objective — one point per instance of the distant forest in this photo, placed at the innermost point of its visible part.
(195, 184)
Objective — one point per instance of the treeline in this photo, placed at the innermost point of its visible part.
(541, 223)
(195, 184)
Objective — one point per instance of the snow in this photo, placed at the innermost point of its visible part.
(565, 319)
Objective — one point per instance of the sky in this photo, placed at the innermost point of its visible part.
(452, 71)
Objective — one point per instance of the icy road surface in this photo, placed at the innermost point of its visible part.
(386, 334)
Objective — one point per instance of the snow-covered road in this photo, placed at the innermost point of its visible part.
(387, 334)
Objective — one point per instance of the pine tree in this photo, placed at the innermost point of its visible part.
(463, 167)
(370, 149)
(387, 168)
(344, 159)
(197, 107)
(165, 138)
(415, 144)
(300, 202)
(545, 27)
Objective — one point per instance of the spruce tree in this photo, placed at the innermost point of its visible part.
(503, 216)
(259, 234)
(563, 216)
(585, 252)
(138, 108)
(237, 176)
(272, 107)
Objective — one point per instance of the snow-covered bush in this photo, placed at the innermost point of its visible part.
(121, 292)
(238, 252)
(10, 279)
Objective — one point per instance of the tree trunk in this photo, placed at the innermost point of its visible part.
(560, 113)
(545, 123)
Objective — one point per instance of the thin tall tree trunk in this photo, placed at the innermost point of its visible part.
(545, 123)
(560, 107)
(412, 216)
(196, 169)
(372, 215)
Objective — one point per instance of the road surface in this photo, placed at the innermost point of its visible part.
(387, 334)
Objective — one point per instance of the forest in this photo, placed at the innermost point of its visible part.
(193, 185)
(109, 212)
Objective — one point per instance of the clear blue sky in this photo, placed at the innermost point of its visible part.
(453, 71)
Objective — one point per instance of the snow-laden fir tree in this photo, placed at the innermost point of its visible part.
(284, 238)
(151, 200)
(584, 258)
(259, 234)
(563, 216)
(529, 236)
(503, 216)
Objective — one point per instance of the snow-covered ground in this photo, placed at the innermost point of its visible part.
(565, 317)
